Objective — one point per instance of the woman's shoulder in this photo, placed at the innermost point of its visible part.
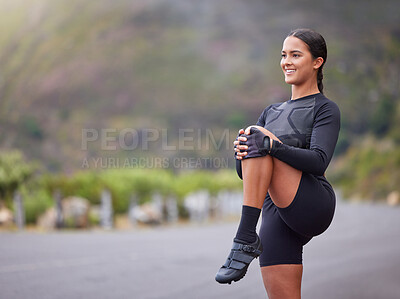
(324, 102)
(325, 107)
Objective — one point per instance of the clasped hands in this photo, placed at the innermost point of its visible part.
(254, 141)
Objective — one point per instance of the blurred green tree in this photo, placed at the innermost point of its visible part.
(14, 172)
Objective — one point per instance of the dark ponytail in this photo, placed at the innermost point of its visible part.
(317, 46)
(320, 77)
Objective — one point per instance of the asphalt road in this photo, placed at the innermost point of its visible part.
(358, 257)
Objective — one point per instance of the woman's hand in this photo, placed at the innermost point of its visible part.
(240, 149)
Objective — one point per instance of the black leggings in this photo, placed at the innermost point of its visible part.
(284, 231)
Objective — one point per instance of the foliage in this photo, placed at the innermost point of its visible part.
(83, 184)
(140, 183)
(94, 218)
(369, 170)
(178, 71)
(125, 183)
(14, 171)
(36, 202)
(382, 119)
(174, 71)
(32, 128)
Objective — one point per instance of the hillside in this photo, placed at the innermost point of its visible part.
(70, 66)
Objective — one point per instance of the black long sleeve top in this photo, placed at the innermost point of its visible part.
(308, 128)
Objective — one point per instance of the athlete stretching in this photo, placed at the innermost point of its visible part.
(282, 161)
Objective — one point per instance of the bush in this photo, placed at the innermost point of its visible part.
(84, 184)
(125, 183)
(368, 171)
(35, 203)
(14, 172)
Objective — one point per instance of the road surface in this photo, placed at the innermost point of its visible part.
(358, 257)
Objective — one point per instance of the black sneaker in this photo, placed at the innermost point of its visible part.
(238, 261)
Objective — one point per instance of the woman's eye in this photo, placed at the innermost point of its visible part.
(283, 55)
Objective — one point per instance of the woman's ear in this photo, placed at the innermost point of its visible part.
(318, 62)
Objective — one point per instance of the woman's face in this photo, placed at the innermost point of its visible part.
(297, 63)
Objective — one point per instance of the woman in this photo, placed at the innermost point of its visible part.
(282, 161)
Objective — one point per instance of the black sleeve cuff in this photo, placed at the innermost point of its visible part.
(275, 147)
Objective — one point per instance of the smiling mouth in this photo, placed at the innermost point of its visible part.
(288, 72)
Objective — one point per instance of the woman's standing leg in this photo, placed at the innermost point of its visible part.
(282, 281)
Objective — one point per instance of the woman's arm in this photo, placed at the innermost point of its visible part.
(324, 136)
(314, 160)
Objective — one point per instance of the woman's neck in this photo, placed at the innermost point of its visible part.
(299, 91)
